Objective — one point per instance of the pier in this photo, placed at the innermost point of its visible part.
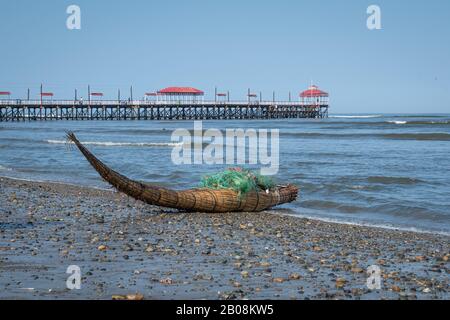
(145, 110)
(173, 103)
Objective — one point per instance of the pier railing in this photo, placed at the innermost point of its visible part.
(56, 103)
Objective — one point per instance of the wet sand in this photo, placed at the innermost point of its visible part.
(123, 246)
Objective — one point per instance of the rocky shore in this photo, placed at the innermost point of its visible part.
(125, 247)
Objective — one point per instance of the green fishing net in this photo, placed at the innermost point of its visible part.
(239, 180)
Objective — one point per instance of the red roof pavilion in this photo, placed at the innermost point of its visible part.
(181, 90)
(313, 91)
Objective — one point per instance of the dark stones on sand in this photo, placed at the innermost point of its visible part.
(128, 250)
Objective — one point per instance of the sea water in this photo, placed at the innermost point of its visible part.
(384, 170)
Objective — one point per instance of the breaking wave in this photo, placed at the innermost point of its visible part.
(398, 122)
(2, 168)
(442, 123)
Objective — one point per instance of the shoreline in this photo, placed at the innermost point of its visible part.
(124, 246)
(370, 225)
(275, 211)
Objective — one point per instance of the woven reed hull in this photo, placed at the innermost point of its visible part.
(199, 200)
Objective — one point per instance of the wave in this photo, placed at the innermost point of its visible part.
(121, 144)
(418, 136)
(393, 180)
(132, 131)
(398, 122)
(355, 124)
(2, 168)
(442, 123)
(419, 116)
(328, 204)
(358, 117)
(437, 136)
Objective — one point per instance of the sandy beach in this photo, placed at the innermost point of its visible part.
(123, 246)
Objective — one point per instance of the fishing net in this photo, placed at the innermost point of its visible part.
(239, 180)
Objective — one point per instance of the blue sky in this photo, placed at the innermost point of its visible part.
(265, 45)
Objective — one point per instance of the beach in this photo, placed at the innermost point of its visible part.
(123, 246)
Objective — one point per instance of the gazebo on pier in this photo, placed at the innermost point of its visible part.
(180, 94)
(5, 93)
(314, 96)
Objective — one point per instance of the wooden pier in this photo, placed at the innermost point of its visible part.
(34, 110)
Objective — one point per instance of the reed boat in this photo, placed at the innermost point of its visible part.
(193, 200)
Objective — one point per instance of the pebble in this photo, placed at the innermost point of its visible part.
(357, 270)
(294, 276)
(134, 296)
(166, 281)
(127, 247)
(395, 288)
(340, 282)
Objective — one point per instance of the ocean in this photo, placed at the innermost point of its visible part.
(390, 170)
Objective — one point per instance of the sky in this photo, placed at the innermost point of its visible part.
(267, 46)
